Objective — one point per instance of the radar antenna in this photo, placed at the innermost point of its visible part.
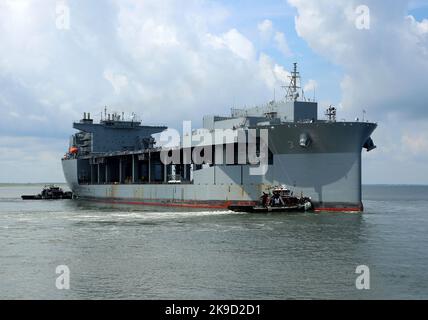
(331, 113)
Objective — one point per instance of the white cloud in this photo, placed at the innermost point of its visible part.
(152, 54)
(203, 70)
(310, 89)
(310, 85)
(265, 29)
(29, 159)
(402, 153)
(421, 27)
(415, 143)
(149, 57)
(233, 41)
(239, 44)
(386, 66)
(273, 74)
(268, 33)
(385, 72)
(118, 81)
(281, 44)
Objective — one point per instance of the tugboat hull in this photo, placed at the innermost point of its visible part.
(49, 193)
(260, 209)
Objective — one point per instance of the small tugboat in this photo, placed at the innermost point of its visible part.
(50, 192)
(280, 200)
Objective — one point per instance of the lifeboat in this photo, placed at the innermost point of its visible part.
(73, 150)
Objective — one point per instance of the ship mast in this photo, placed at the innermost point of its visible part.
(293, 87)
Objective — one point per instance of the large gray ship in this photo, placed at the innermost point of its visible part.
(119, 160)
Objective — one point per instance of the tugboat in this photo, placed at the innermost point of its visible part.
(49, 192)
(280, 200)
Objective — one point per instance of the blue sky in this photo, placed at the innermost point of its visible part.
(246, 15)
(172, 60)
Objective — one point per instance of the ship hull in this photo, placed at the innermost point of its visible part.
(328, 171)
(332, 180)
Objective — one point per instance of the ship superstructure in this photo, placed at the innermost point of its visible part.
(119, 160)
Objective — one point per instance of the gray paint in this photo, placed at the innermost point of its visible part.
(328, 169)
(111, 136)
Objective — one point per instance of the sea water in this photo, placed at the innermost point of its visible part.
(131, 252)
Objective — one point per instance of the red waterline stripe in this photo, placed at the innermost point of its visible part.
(225, 205)
(356, 209)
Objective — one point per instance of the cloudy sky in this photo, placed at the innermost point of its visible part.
(172, 60)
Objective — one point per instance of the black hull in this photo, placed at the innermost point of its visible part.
(258, 209)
